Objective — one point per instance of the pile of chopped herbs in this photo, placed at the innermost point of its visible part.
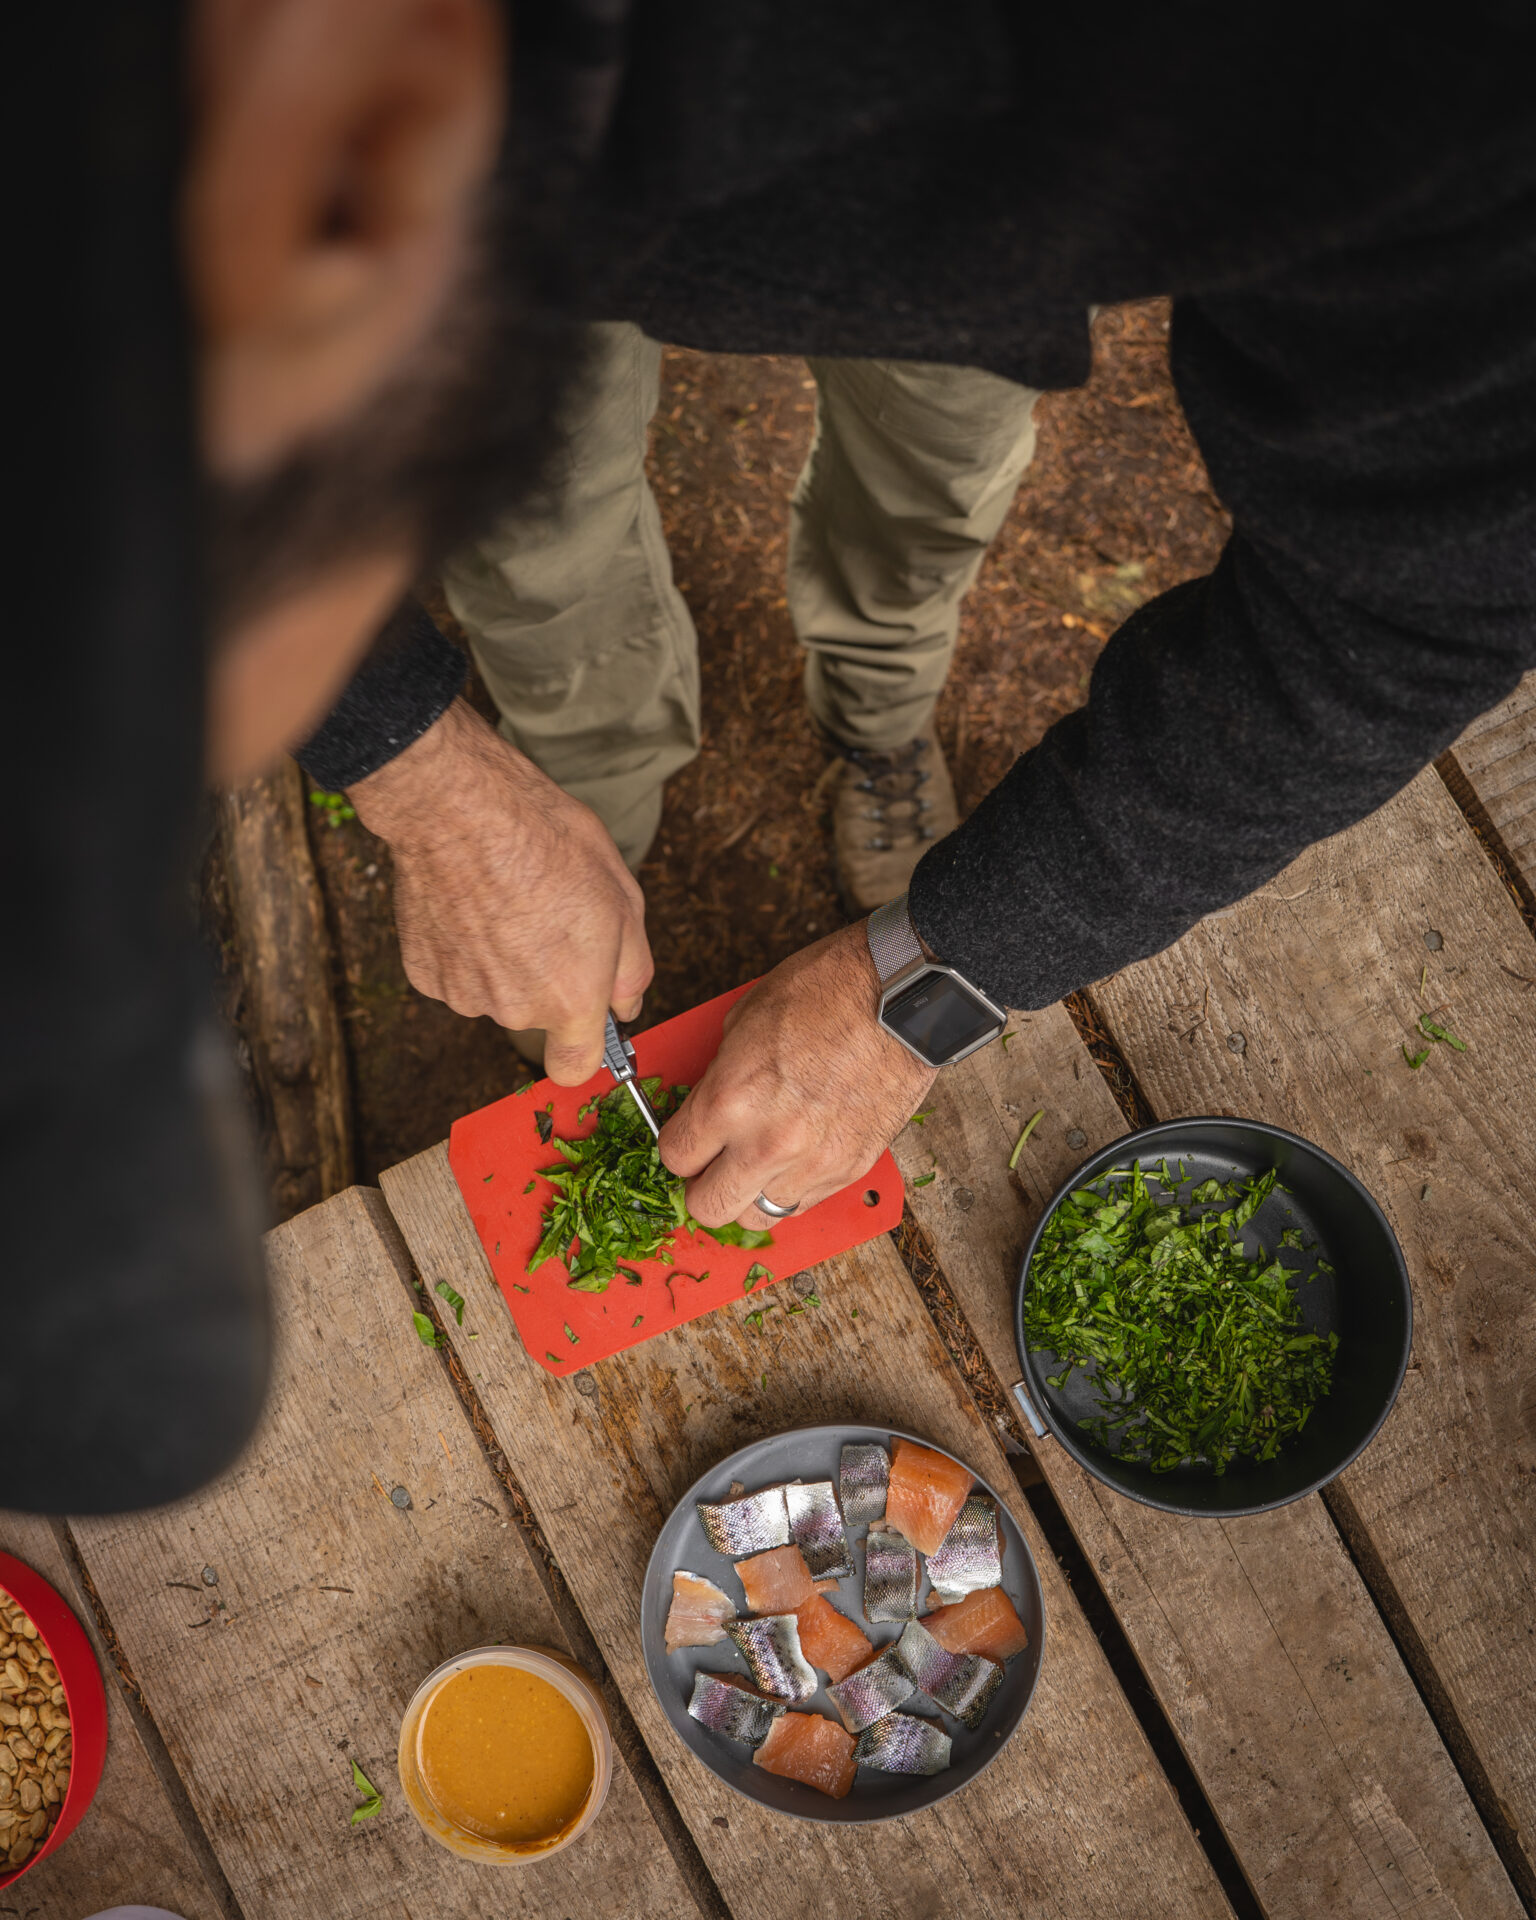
(1197, 1349)
(615, 1201)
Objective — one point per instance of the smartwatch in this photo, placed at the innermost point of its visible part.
(931, 1009)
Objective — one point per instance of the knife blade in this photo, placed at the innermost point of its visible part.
(619, 1059)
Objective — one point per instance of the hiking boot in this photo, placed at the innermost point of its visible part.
(887, 809)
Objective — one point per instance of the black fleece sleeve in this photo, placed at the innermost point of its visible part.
(411, 676)
(1371, 425)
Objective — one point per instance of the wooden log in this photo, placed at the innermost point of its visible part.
(290, 1019)
(132, 1846)
(1265, 1650)
(1074, 1817)
(1496, 758)
(1325, 972)
(332, 1601)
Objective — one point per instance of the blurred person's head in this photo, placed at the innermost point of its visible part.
(377, 359)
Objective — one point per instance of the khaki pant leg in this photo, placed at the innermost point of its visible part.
(586, 646)
(911, 474)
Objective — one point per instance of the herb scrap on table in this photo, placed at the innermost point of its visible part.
(374, 1799)
(455, 1300)
(425, 1331)
(1197, 1349)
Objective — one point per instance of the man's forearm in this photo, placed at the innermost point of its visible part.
(410, 678)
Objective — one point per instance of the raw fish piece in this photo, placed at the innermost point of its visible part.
(830, 1640)
(816, 1526)
(962, 1683)
(776, 1581)
(748, 1525)
(698, 1613)
(810, 1748)
(869, 1694)
(902, 1743)
(984, 1623)
(727, 1705)
(827, 1586)
(861, 1482)
(771, 1649)
(927, 1491)
(890, 1576)
(970, 1555)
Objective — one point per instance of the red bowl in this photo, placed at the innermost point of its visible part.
(84, 1697)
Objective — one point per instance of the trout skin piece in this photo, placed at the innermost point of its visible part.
(903, 1743)
(777, 1581)
(812, 1749)
(816, 1527)
(926, 1492)
(830, 1640)
(969, 1556)
(698, 1613)
(985, 1622)
(890, 1576)
(863, 1475)
(771, 1649)
(870, 1693)
(961, 1683)
(727, 1705)
(751, 1524)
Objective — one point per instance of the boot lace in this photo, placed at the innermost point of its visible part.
(893, 782)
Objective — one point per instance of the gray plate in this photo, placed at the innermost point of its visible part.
(814, 1453)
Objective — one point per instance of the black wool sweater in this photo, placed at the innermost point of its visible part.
(1345, 214)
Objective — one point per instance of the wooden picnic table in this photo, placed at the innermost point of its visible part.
(1325, 1711)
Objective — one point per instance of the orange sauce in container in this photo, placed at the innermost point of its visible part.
(505, 1753)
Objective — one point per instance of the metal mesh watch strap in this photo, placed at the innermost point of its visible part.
(893, 942)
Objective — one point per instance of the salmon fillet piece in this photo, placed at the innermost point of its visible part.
(777, 1581)
(830, 1640)
(804, 1746)
(984, 1622)
(926, 1492)
(698, 1613)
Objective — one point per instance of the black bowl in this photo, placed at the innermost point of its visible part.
(1366, 1300)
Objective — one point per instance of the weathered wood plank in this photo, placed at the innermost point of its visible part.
(1497, 758)
(1264, 1648)
(131, 1846)
(289, 1018)
(1325, 972)
(331, 1603)
(1075, 1815)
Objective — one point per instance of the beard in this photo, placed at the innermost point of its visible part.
(462, 433)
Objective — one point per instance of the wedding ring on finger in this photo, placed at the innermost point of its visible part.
(773, 1211)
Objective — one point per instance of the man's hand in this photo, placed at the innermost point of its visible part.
(805, 1092)
(510, 897)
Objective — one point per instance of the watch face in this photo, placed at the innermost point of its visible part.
(939, 1017)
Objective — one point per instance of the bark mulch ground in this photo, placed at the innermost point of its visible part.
(1116, 507)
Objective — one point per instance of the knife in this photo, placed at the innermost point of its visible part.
(619, 1059)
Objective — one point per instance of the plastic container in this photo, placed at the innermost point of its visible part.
(85, 1699)
(567, 1679)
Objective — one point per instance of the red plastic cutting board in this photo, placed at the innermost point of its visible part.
(496, 1152)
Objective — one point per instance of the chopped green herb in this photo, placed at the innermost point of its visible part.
(773, 872)
(552, 1356)
(1018, 1145)
(1196, 1349)
(518, 1287)
(631, 1278)
(919, 1119)
(811, 1299)
(637, 1319)
(1416, 1060)
(613, 1201)
(762, 1383)
(364, 1785)
(546, 1127)
(429, 1335)
(530, 1186)
(925, 1179)
(474, 1336)
(755, 1320)
(757, 1271)
(455, 1300)
(572, 1337)
(1431, 1031)
(488, 1178)
(1011, 1034)
(334, 808)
